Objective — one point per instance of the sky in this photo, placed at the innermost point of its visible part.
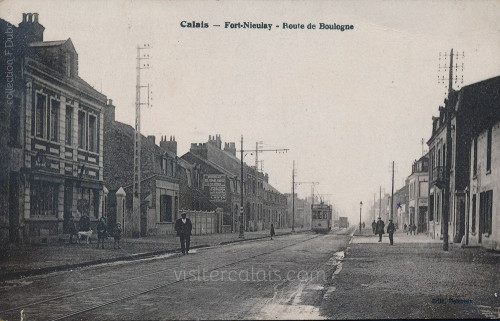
(345, 104)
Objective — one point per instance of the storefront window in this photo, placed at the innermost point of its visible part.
(44, 198)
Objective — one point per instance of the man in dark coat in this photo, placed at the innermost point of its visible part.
(374, 226)
(379, 229)
(102, 231)
(390, 230)
(183, 228)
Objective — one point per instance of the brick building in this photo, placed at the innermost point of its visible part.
(159, 179)
(219, 177)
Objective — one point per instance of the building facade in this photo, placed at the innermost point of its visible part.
(159, 180)
(220, 179)
(418, 195)
(483, 202)
(58, 143)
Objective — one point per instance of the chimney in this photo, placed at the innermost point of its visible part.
(230, 148)
(109, 113)
(30, 29)
(152, 139)
(170, 145)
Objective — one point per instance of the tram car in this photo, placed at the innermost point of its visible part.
(321, 218)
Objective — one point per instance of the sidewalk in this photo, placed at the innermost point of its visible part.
(19, 260)
(414, 279)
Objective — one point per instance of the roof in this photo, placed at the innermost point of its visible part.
(269, 187)
(47, 43)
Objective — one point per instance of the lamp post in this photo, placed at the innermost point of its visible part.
(360, 206)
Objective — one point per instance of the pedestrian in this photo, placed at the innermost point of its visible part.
(183, 228)
(374, 226)
(272, 231)
(102, 231)
(390, 230)
(72, 229)
(414, 229)
(117, 235)
(84, 224)
(406, 228)
(379, 229)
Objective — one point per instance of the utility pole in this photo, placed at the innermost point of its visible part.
(293, 197)
(392, 192)
(137, 137)
(448, 115)
(241, 236)
(312, 193)
(242, 156)
(380, 203)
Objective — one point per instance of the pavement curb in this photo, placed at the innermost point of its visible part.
(131, 257)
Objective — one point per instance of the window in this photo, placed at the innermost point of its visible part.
(44, 198)
(54, 120)
(69, 125)
(488, 150)
(40, 112)
(165, 208)
(475, 157)
(485, 212)
(92, 133)
(473, 223)
(88, 203)
(81, 130)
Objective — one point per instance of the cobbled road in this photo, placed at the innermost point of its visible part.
(284, 278)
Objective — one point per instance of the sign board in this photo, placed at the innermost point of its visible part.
(217, 186)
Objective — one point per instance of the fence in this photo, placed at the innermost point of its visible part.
(203, 222)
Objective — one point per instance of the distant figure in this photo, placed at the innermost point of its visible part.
(117, 235)
(102, 231)
(390, 230)
(363, 224)
(272, 231)
(72, 229)
(406, 229)
(379, 229)
(414, 229)
(374, 226)
(183, 228)
(84, 224)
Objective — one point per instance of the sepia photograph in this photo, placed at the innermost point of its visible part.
(249, 160)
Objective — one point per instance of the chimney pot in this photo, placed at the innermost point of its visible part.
(36, 16)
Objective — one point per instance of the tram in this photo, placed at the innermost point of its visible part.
(321, 218)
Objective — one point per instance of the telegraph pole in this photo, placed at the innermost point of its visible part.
(448, 113)
(242, 156)
(293, 197)
(392, 193)
(137, 136)
(241, 236)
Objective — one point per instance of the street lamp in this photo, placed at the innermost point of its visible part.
(360, 206)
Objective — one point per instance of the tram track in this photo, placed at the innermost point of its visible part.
(141, 292)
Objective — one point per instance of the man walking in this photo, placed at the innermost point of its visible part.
(374, 226)
(390, 230)
(379, 229)
(183, 228)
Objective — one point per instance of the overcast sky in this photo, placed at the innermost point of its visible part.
(345, 104)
